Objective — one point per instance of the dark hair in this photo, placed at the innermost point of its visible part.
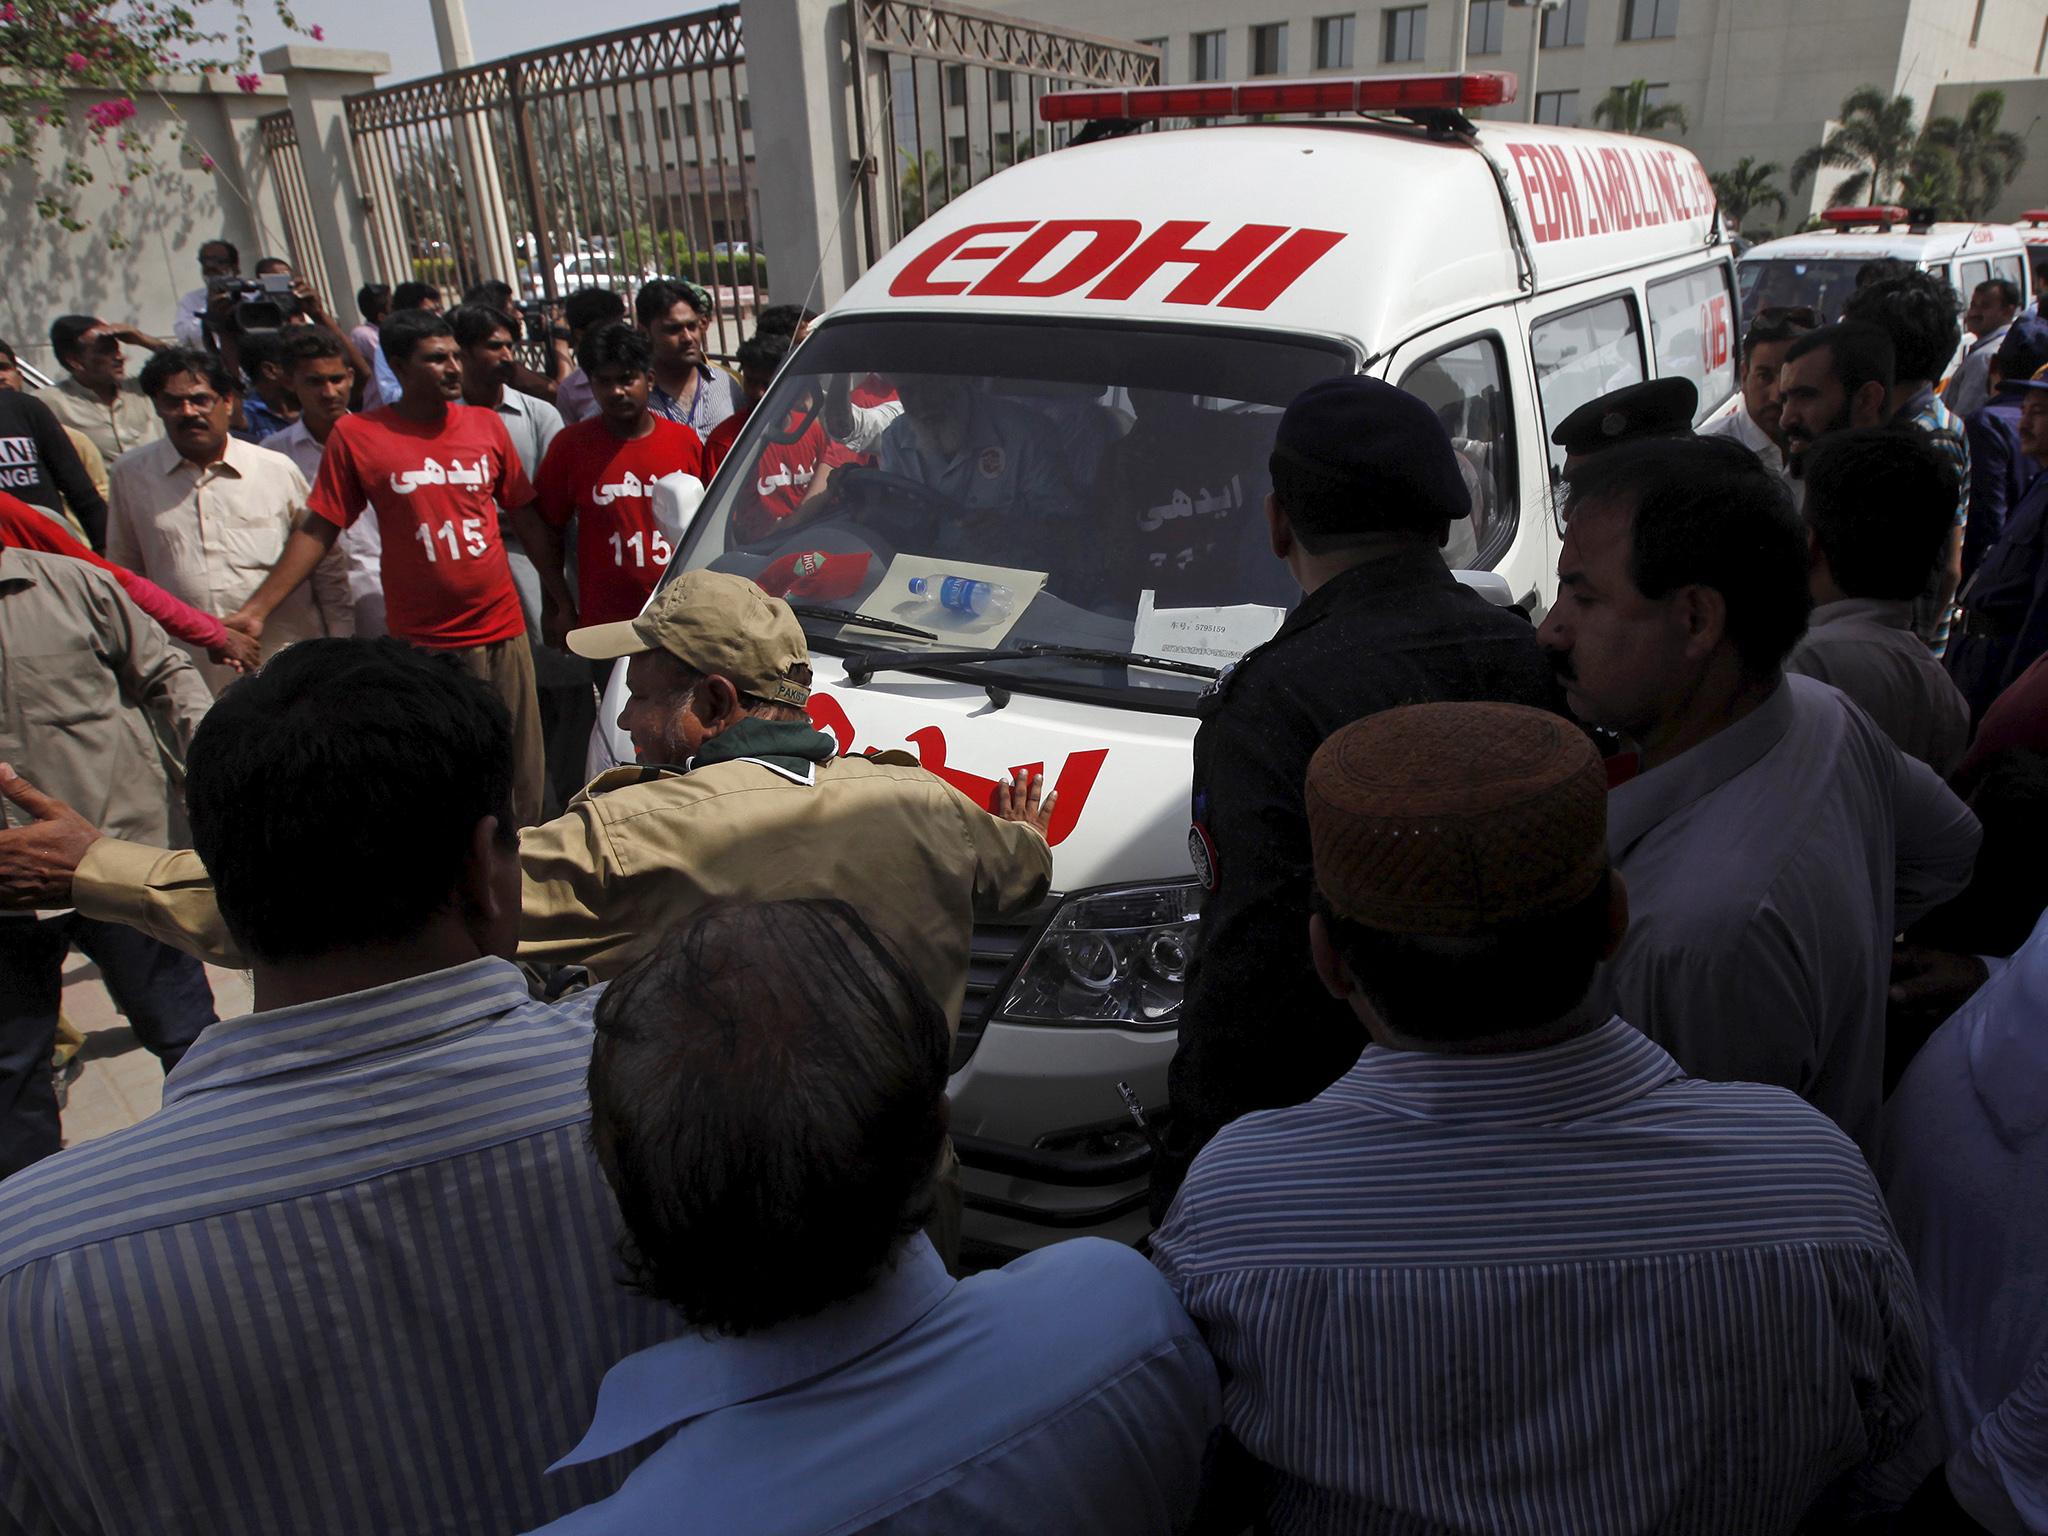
(615, 345)
(1880, 502)
(172, 361)
(405, 329)
(657, 298)
(786, 318)
(8, 354)
(1766, 332)
(272, 262)
(493, 291)
(234, 255)
(1918, 311)
(1858, 353)
(767, 1094)
(374, 301)
(1515, 976)
(65, 332)
(2008, 291)
(764, 351)
(412, 295)
(1704, 511)
(473, 324)
(258, 348)
(1325, 512)
(1881, 269)
(308, 344)
(592, 306)
(366, 760)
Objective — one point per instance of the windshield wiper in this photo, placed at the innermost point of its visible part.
(864, 666)
(848, 616)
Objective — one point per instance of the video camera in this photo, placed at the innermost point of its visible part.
(261, 303)
(540, 328)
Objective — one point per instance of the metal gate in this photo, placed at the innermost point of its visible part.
(609, 161)
(280, 136)
(946, 96)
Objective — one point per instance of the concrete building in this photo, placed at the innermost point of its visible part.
(1756, 77)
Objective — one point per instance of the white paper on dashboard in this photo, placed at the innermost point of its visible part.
(893, 599)
(1210, 637)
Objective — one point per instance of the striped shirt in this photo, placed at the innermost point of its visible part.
(355, 1276)
(1568, 1290)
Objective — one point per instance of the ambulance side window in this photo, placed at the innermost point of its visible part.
(2013, 270)
(1466, 385)
(1973, 273)
(1692, 320)
(1582, 354)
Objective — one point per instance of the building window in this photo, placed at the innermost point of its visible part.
(956, 150)
(664, 124)
(746, 115)
(1336, 37)
(1489, 18)
(1406, 30)
(1559, 107)
(1565, 27)
(1269, 48)
(956, 85)
(1649, 18)
(1164, 54)
(1003, 83)
(1208, 56)
(687, 118)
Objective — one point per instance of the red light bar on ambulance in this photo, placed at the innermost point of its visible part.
(1880, 213)
(1369, 93)
(2034, 216)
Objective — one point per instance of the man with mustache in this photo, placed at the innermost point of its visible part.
(1773, 840)
(1835, 378)
(1759, 423)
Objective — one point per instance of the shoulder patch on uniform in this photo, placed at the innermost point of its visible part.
(1202, 854)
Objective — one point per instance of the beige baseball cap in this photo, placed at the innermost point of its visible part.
(713, 623)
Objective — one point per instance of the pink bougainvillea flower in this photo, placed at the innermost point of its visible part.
(249, 83)
(107, 114)
(207, 161)
(75, 62)
(126, 190)
(7, 13)
(318, 34)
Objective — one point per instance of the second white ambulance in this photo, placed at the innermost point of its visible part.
(1098, 343)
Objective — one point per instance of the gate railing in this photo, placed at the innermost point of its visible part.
(280, 138)
(946, 96)
(608, 161)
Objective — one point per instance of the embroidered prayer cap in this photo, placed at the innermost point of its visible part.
(1450, 820)
(717, 624)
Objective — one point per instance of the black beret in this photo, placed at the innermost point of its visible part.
(1380, 441)
(1657, 408)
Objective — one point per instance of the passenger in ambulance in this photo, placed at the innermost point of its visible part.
(992, 460)
(1471, 423)
(1180, 500)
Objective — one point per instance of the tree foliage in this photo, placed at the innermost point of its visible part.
(115, 49)
(1977, 155)
(1627, 109)
(1874, 138)
(1747, 187)
(1954, 167)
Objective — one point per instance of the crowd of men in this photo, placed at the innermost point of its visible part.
(1609, 1090)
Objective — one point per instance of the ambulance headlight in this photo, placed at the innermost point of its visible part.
(1117, 958)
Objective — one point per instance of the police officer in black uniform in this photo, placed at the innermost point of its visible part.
(1365, 488)
(1653, 408)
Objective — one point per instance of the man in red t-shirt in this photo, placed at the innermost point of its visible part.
(435, 472)
(602, 472)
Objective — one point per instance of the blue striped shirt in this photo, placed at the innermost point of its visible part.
(355, 1276)
(1568, 1290)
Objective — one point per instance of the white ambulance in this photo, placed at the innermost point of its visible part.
(1037, 533)
(1817, 270)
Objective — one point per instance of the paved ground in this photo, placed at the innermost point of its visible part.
(121, 1082)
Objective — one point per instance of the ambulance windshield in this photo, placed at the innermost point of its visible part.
(999, 485)
(1784, 282)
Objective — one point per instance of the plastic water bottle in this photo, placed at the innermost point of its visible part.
(961, 596)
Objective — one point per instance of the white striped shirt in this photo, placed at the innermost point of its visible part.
(1567, 1290)
(355, 1276)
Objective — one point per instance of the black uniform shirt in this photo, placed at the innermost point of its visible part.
(1258, 1029)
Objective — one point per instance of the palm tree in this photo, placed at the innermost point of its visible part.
(1875, 139)
(1627, 109)
(1986, 157)
(1747, 188)
(1933, 182)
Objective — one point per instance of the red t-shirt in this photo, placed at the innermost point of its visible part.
(607, 485)
(782, 474)
(437, 492)
(722, 437)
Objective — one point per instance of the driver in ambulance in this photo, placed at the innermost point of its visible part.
(989, 457)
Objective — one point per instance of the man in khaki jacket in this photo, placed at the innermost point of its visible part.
(737, 799)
